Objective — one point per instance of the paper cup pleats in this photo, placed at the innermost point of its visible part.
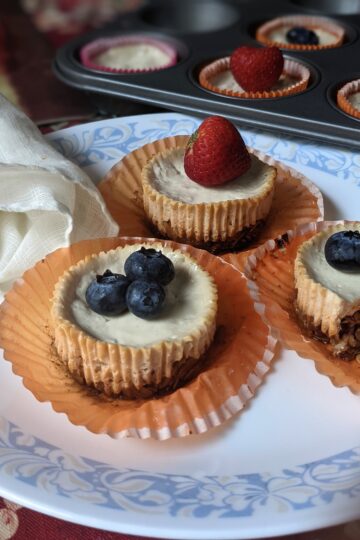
(233, 367)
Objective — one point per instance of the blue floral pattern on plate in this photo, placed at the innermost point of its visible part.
(37, 463)
(42, 465)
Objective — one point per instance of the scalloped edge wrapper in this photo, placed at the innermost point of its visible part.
(234, 365)
(88, 51)
(342, 98)
(296, 200)
(308, 21)
(270, 273)
(291, 68)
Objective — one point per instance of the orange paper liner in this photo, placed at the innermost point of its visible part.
(343, 98)
(296, 199)
(300, 20)
(270, 273)
(237, 360)
(291, 68)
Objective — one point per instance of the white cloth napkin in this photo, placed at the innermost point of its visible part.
(46, 201)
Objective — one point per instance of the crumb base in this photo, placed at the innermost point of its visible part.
(345, 346)
(183, 372)
(239, 241)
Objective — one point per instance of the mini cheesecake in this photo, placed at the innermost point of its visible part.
(128, 54)
(348, 98)
(328, 299)
(217, 218)
(125, 355)
(218, 78)
(274, 32)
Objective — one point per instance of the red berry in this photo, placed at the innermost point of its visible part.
(256, 69)
(216, 153)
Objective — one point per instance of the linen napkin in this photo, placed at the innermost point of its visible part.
(46, 201)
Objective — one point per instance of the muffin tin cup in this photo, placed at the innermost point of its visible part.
(90, 50)
(292, 68)
(270, 273)
(263, 31)
(306, 113)
(342, 98)
(233, 367)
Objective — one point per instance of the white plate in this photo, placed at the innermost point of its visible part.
(289, 463)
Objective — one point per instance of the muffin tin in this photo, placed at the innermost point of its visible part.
(204, 30)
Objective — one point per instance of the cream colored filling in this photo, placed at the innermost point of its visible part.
(170, 178)
(354, 99)
(139, 56)
(225, 81)
(344, 284)
(279, 35)
(189, 299)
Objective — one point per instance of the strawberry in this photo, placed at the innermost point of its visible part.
(256, 69)
(216, 153)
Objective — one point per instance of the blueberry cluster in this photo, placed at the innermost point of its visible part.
(141, 290)
(302, 36)
(342, 251)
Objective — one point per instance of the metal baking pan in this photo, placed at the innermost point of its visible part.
(203, 30)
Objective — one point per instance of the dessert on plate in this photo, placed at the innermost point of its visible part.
(134, 321)
(211, 193)
(128, 54)
(348, 98)
(255, 72)
(301, 32)
(327, 281)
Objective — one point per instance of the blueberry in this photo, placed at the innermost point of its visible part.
(106, 294)
(342, 250)
(145, 298)
(150, 265)
(302, 36)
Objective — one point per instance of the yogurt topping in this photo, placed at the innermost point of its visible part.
(169, 177)
(189, 298)
(344, 284)
(132, 56)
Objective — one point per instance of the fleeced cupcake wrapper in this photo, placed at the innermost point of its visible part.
(92, 49)
(124, 367)
(265, 29)
(343, 98)
(291, 68)
(270, 273)
(236, 362)
(296, 199)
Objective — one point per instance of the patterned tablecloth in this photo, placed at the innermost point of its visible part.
(29, 31)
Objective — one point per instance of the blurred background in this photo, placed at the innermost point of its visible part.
(30, 32)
